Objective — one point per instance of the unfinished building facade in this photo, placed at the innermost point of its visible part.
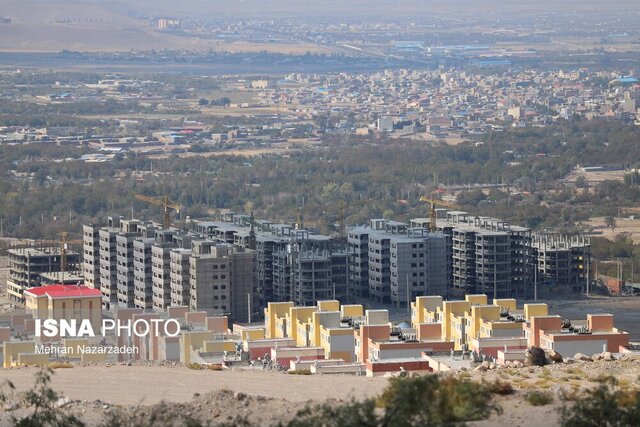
(401, 260)
(562, 261)
(418, 265)
(26, 264)
(91, 255)
(109, 263)
(180, 276)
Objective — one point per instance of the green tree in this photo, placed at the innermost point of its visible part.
(607, 405)
(42, 400)
(581, 182)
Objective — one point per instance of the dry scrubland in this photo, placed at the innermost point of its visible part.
(269, 397)
(50, 26)
(627, 226)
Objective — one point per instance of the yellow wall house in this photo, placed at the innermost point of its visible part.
(319, 326)
(193, 341)
(297, 317)
(65, 302)
(338, 343)
(424, 310)
(275, 319)
(473, 318)
(352, 310)
(13, 350)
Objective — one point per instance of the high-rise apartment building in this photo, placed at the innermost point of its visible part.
(401, 260)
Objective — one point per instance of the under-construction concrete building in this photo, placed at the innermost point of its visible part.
(133, 259)
(291, 264)
(108, 263)
(418, 265)
(180, 276)
(562, 261)
(221, 279)
(390, 261)
(26, 264)
(91, 255)
(165, 242)
(266, 246)
(309, 268)
(493, 257)
(143, 265)
(142, 272)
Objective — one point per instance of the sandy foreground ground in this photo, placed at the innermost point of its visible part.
(268, 397)
(131, 385)
(96, 390)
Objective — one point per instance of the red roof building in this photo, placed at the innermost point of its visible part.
(63, 291)
(65, 302)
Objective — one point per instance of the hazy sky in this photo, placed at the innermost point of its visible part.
(350, 10)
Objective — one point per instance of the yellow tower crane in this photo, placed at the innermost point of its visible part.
(166, 204)
(64, 244)
(64, 249)
(432, 209)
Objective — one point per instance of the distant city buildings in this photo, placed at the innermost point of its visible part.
(450, 104)
(168, 24)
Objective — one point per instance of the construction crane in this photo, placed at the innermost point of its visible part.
(64, 247)
(342, 218)
(166, 204)
(299, 220)
(432, 210)
(64, 244)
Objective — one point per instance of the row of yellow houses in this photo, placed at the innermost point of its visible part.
(327, 337)
(474, 324)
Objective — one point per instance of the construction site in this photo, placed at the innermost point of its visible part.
(41, 263)
(236, 264)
